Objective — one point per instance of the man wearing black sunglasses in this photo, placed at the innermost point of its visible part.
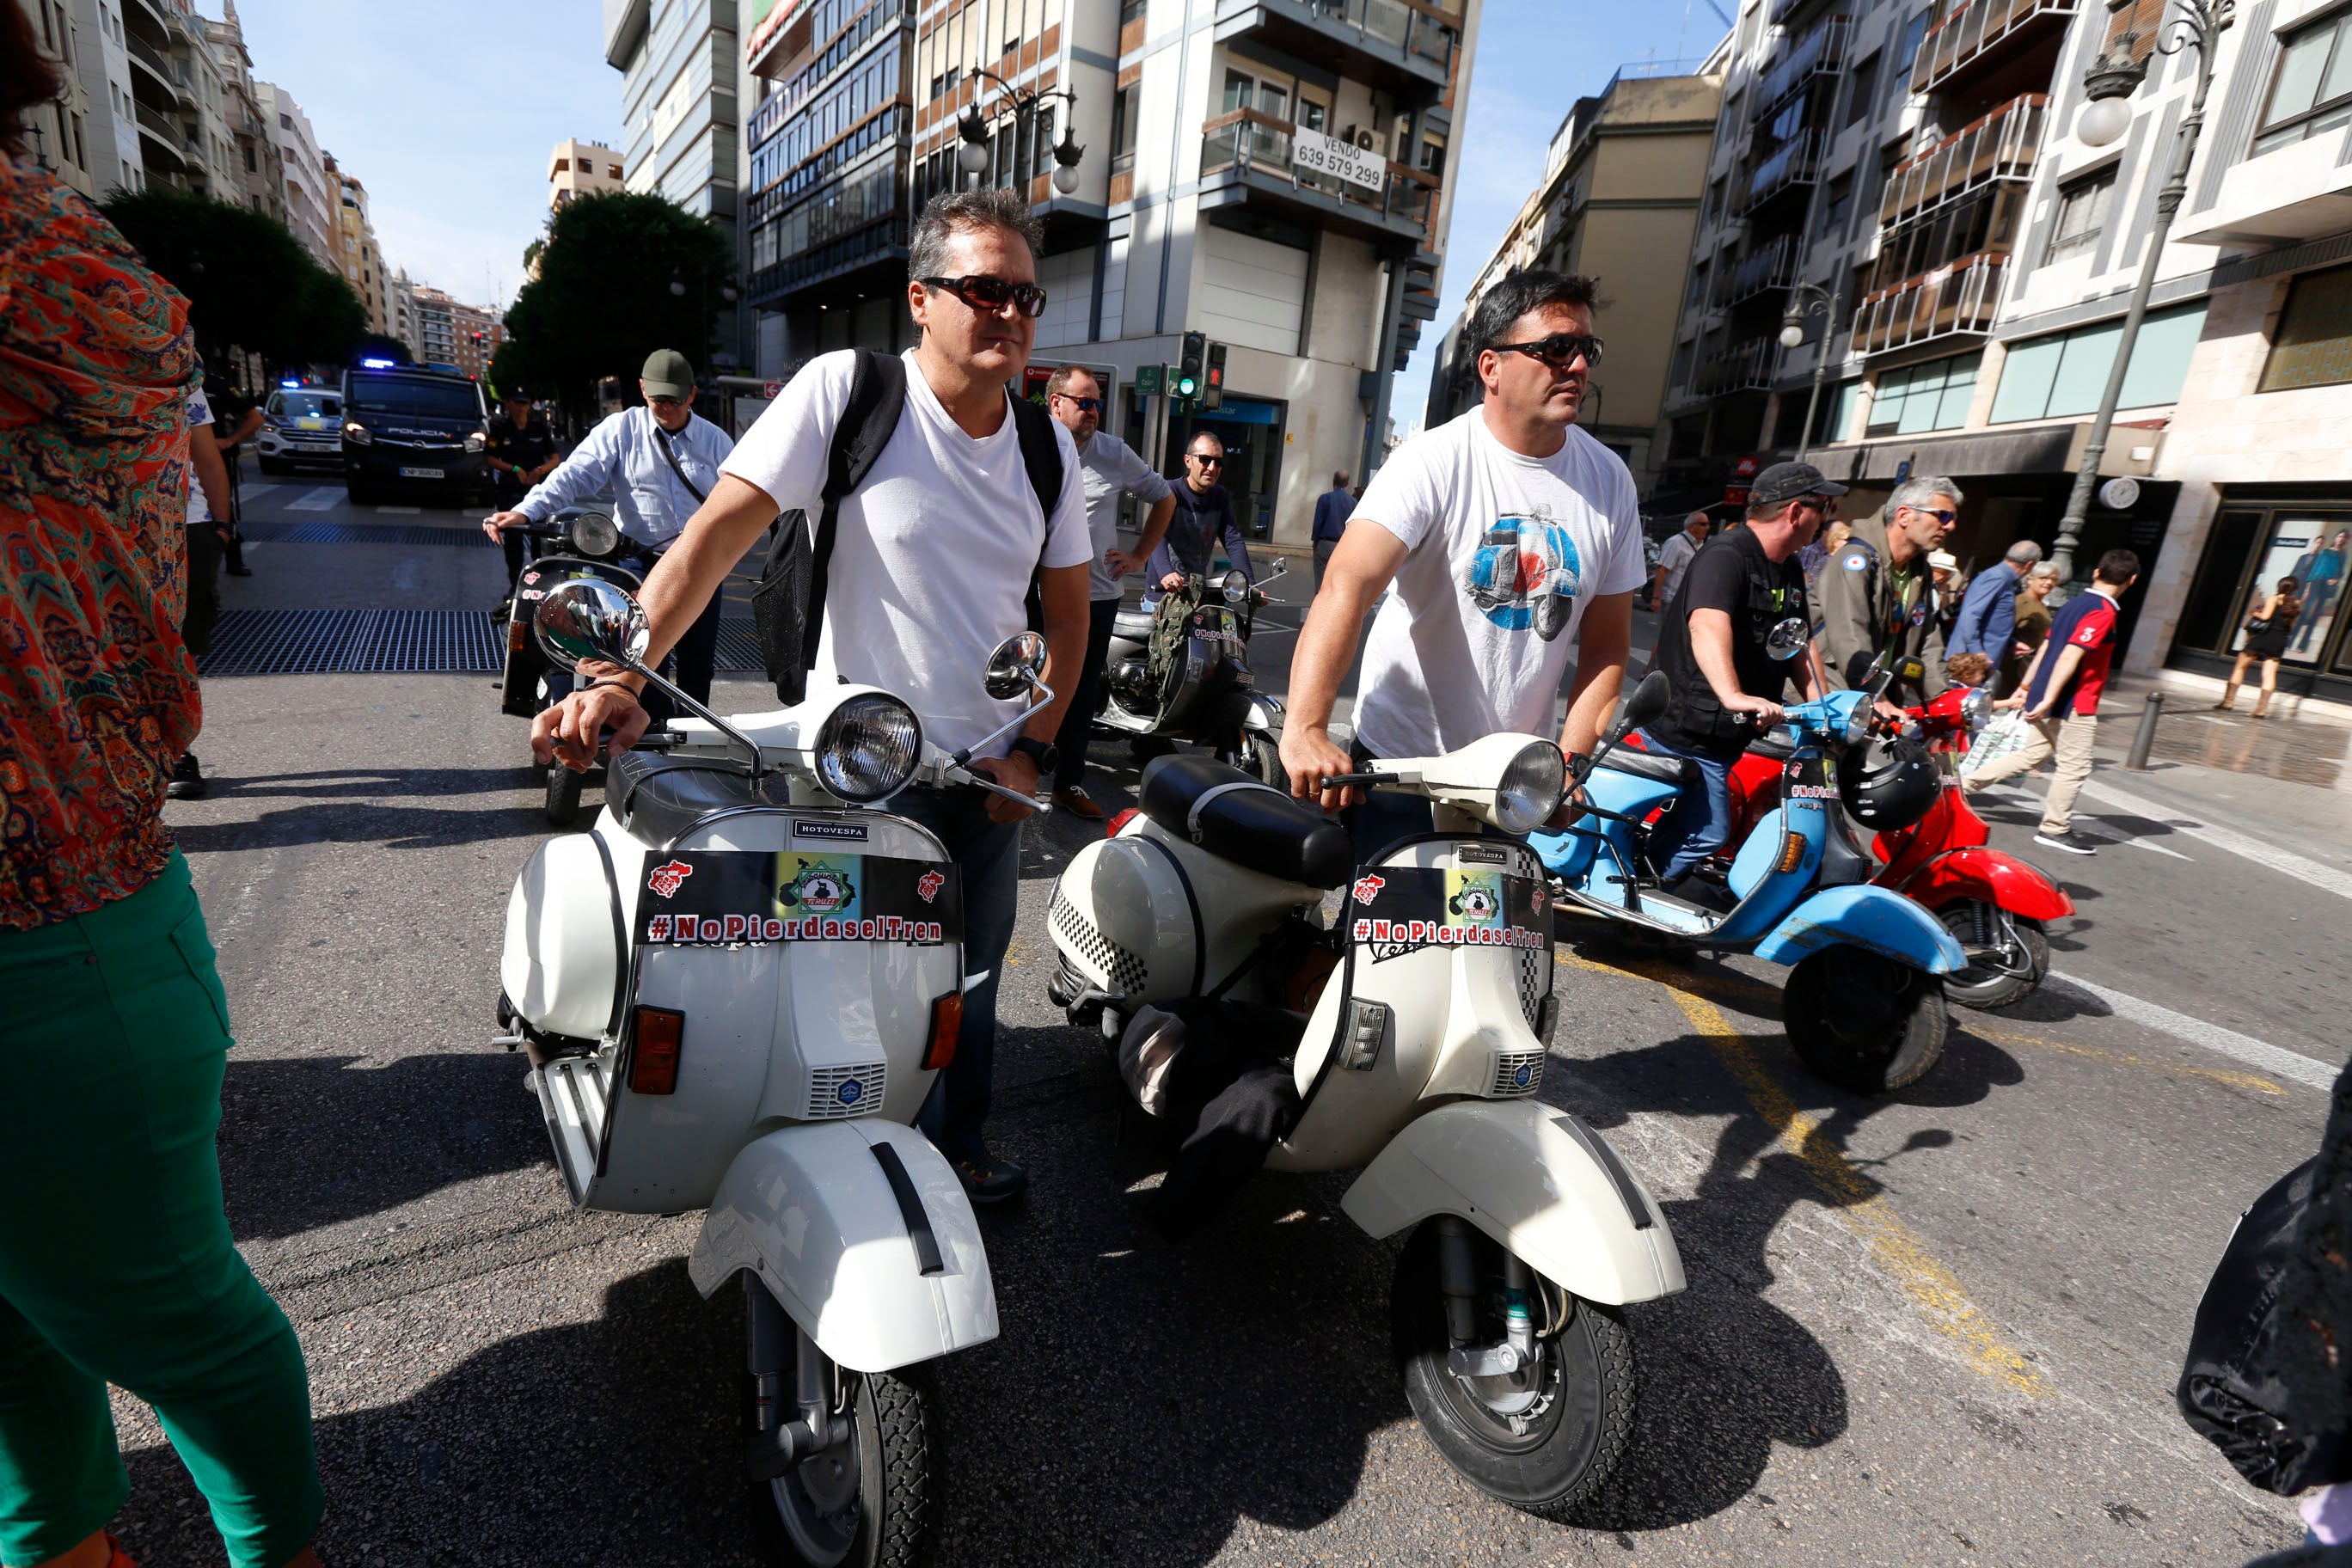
(1203, 520)
(933, 557)
(1514, 540)
(1111, 468)
(1877, 595)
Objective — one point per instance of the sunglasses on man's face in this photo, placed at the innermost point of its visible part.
(1560, 351)
(989, 294)
(1083, 404)
(1206, 459)
(1946, 518)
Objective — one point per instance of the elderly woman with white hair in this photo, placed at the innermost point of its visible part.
(2030, 625)
(1877, 595)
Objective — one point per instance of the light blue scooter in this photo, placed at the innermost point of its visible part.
(1863, 1005)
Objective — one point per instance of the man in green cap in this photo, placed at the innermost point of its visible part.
(657, 462)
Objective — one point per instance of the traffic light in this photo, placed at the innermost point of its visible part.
(1212, 387)
(1191, 367)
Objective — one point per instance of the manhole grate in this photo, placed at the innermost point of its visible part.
(362, 533)
(350, 642)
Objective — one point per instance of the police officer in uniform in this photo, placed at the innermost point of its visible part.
(522, 451)
(1734, 635)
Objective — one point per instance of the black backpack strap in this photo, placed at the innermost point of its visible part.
(1041, 454)
(877, 396)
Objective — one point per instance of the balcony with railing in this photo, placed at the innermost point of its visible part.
(1821, 52)
(1743, 367)
(2000, 146)
(1401, 46)
(1769, 268)
(1798, 163)
(1951, 302)
(1247, 154)
(1976, 36)
(161, 133)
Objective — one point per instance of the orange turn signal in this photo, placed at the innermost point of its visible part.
(653, 1059)
(1117, 821)
(947, 1023)
(518, 634)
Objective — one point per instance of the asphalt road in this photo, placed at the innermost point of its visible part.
(1941, 1327)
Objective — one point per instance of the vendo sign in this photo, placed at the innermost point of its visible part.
(1320, 155)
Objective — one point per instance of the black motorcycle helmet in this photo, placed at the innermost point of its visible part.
(1891, 786)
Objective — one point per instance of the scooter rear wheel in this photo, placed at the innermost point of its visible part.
(1864, 1023)
(1987, 983)
(564, 794)
(1552, 1458)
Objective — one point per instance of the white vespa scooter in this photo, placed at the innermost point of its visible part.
(1420, 1063)
(735, 991)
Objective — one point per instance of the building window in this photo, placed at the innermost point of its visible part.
(1433, 155)
(1906, 53)
(2065, 374)
(1683, 364)
(1714, 200)
(1839, 202)
(1865, 91)
(2313, 346)
(1697, 291)
(2082, 214)
(2312, 89)
(1931, 397)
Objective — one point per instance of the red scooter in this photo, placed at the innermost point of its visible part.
(1993, 903)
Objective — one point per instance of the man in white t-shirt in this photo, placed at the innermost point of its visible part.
(932, 564)
(1512, 537)
(206, 535)
(1675, 559)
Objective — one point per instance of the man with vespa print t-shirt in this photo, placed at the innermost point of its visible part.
(1512, 539)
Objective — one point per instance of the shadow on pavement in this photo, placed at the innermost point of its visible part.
(315, 1141)
(363, 822)
(370, 783)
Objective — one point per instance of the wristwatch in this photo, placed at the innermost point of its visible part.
(1044, 754)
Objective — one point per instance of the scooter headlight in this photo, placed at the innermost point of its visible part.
(868, 748)
(1530, 789)
(1976, 708)
(1236, 586)
(593, 533)
(1857, 724)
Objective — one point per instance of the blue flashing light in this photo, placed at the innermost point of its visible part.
(290, 383)
(376, 364)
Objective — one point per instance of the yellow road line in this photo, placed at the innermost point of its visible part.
(2120, 1059)
(1933, 1288)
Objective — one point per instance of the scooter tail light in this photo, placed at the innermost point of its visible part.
(518, 634)
(1118, 820)
(947, 1023)
(653, 1059)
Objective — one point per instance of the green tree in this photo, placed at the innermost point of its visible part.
(248, 281)
(603, 299)
(376, 345)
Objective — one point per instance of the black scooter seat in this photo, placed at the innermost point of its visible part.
(1253, 825)
(656, 798)
(1775, 746)
(1655, 766)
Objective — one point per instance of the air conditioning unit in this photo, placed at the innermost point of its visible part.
(1356, 136)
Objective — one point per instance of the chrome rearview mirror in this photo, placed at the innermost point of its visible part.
(590, 618)
(1017, 666)
(1787, 639)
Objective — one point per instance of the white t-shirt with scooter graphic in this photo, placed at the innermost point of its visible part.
(1503, 553)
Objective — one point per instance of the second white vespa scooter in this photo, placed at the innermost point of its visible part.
(736, 990)
(1419, 1062)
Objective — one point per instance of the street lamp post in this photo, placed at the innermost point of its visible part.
(973, 156)
(2110, 84)
(1811, 299)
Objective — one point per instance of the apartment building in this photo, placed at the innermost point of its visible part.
(577, 168)
(256, 169)
(57, 133)
(357, 256)
(478, 333)
(313, 206)
(178, 99)
(93, 133)
(1623, 178)
(400, 292)
(683, 74)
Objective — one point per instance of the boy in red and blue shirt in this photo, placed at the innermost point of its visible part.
(2061, 698)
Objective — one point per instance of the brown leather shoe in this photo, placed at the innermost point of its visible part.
(1077, 802)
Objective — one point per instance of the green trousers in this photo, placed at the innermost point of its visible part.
(116, 1264)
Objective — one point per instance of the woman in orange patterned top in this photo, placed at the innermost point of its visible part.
(116, 1264)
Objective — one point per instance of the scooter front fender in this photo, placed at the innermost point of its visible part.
(1536, 1179)
(862, 1233)
(1869, 918)
(1990, 875)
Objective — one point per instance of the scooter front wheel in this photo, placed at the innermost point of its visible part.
(1864, 1023)
(562, 795)
(1546, 1437)
(1999, 972)
(868, 1503)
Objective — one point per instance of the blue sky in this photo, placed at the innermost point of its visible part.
(447, 112)
(1535, 59)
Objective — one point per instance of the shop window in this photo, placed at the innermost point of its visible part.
(2313, 346)
(1836, 415)
(2247, 554)
(2311, 90)
(1930, 396)
(2082, 214)
(2065, 374)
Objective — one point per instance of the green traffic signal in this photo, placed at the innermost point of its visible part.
(1186, 386)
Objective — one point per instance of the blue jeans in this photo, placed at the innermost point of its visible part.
(1381, 818)
(988, 854)
(1699, 821)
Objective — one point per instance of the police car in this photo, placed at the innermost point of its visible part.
(301, 425)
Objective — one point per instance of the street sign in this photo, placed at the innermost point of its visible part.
(1147, 381)
(1902, 472)
(1321, 154)
(773, 391)
(1744, 469)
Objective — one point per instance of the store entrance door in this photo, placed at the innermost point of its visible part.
(1251, 429)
